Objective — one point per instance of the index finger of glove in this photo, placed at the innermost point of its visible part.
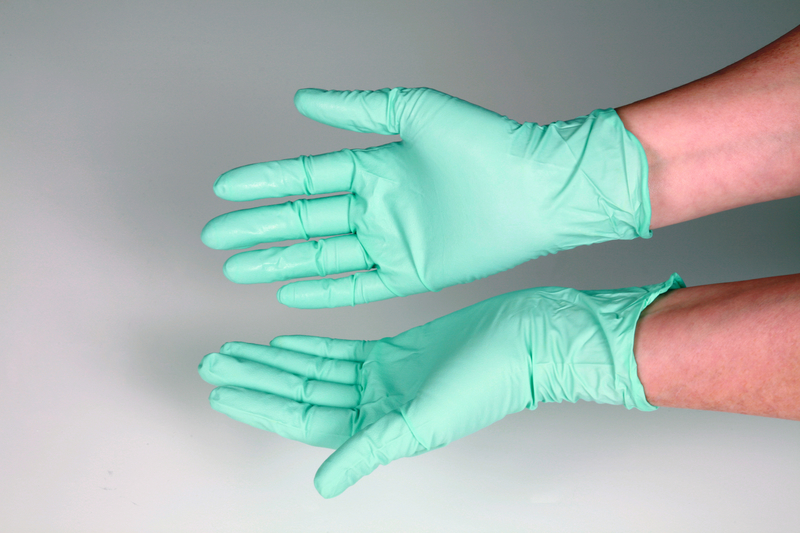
(316, 425)
(313, 174)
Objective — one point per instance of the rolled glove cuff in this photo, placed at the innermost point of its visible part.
(588, 351)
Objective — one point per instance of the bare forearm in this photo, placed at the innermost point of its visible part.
(724, 141)
(728, 347)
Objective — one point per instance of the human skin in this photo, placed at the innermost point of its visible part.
(724, 141)
(731, 347)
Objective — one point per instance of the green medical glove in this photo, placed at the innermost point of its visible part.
(465, 194)
(377, 401)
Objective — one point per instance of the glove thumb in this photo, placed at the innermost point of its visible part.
(378, 444)
(362, 111)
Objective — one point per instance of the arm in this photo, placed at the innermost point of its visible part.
(727, 347)
(724, 141)
(732, 347)
(468, 193)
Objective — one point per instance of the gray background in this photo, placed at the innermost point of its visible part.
(115, 119)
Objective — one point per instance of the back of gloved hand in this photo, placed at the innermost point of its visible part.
(377, 401)
(465, 194)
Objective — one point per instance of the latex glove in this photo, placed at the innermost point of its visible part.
(377, 401)
(467, 193)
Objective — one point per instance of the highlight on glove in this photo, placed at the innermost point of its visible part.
(377, 401)
(465, 194)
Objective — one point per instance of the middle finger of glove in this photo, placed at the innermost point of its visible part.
(301, 219)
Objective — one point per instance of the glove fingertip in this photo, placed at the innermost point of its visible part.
(236, 184)
(286, 295)
(235, 269)
(221, 186)
(214, 397)
(304, 98)
(205, 363)
(209, 236)
(325, 487)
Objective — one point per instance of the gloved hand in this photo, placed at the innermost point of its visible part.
(377, 401)
(467, 193)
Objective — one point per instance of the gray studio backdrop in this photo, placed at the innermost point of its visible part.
(115, 119)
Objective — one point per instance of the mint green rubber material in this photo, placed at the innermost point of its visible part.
(465, 194)
(377, 401)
